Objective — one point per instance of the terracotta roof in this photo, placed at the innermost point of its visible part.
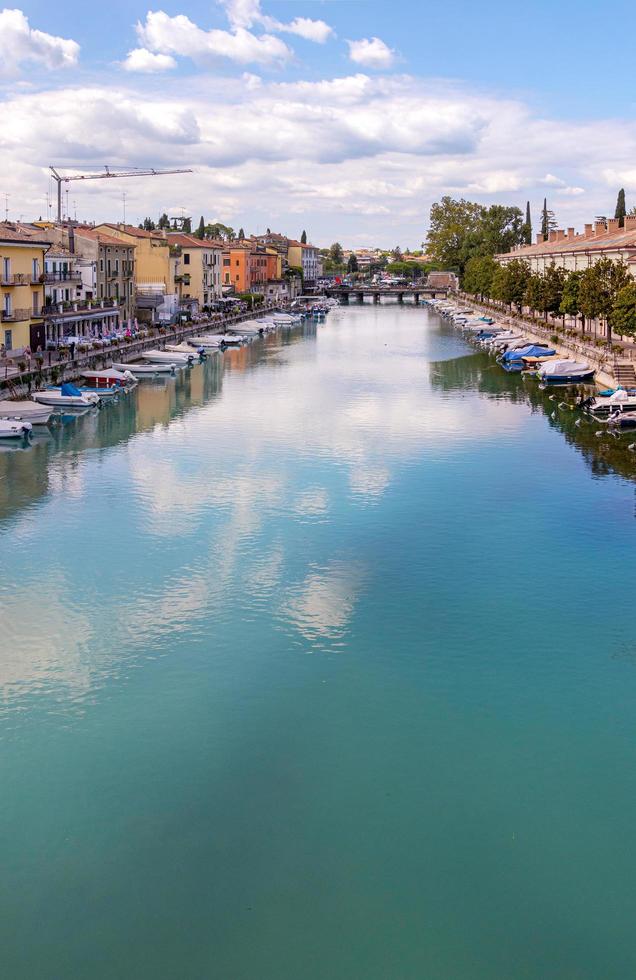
(102, 237)
(189, 241)
(580, 243)
(15, 231)
(134, 232)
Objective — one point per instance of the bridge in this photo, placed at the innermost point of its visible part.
(344, 293)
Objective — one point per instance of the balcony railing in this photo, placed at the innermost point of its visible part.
(72, 309)
(15, 316)
(59, 277)
(15, 279)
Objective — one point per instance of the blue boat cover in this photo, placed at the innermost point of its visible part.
(69, 389)
(530, 351)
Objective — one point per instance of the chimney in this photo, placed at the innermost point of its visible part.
(589, 231)
(612, 226)
(552, 237)
(539, 238)
(600, 228)
(571, 233)
(560, 235)
(630, 222)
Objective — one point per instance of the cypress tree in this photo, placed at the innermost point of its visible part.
(544, 220)
(528, 226)
(303, 238)
(241, 234)
(621, 210)
(200, 232)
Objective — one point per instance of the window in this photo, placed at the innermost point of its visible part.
(35, 272)
(226, 261)
(101, 265)
(7, 303)
(36, 304)
(186, 258)
(8, 339)
(6, 269)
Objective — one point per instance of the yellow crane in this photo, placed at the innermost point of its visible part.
(108, 174)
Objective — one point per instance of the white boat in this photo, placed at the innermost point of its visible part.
(620, 400)
(211, 342)
(109, 378)
(565, 372)
(68, 396)
(167, 357)
(184, 349)
(142, 370)
(234, 339)
(25, 411)
(14, 428)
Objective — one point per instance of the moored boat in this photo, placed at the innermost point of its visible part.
(67, 396)
(168, 357)
(185, 350)
(108, 378)
(558, 371)
(139, 369)
(25, 411)
(14, 428)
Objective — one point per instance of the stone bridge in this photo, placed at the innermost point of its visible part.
(358, 293)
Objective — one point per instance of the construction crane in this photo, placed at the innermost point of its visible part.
(129, 172)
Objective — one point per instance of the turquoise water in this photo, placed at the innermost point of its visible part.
(320, 662)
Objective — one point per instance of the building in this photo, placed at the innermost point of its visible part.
(280, 291)
(245, 267)
(22, 251)
(275, 240)
(574, 251)
(306, 258)
(155, 293)
(196, 269)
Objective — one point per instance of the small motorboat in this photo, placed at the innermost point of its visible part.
(234, 339)
(608, 403)
(102, 392)
(210, 342)
(185, 350)
(139, 369)
(66, 396)
(564, 372)
(14, 428)
(516, 355)
(109, 378)
(25, 411)
(168, 357)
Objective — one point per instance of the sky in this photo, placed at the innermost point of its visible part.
(346, 118)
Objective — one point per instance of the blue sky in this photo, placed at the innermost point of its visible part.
(346, 117)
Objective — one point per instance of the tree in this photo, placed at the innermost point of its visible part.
(621, 210)
(535, 292)
(148, 224)
(527, 228)
(451, 224)
(479, 275)
(200, 232)
(570, 302)
(600, 285)
(303, 238)
(500, 228)
(544, 292)
(352, 264)
(396, 254)
(510, 282)
(623, 315)
(187, 226)
(335, 254)
(218, 230)
(164, 221)
(548, 221)
(241, 235)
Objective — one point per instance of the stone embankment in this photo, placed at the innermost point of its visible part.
(570, 347)
(18, 384)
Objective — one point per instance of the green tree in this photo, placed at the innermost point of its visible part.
(599, 288)
(303, 238)
(200, 232)
(453, 224)
(621, 210)
(396, 254)
(219, 230)
(148, 224)
(527, 227)
(623, 315)
(534, 296)
(352, 264)
(570, 302)
(499, 229)
(187, 226)
(479, 275)
(336, 254)
(544, 293)
(241, 234)
(548, 221)
(510, 282)
(164, 221)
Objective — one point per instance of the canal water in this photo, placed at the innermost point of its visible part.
(319, 661)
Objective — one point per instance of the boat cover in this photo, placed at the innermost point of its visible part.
(532, 350)
(69, 389)
(557, 368)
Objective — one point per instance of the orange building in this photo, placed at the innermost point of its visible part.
(244, 267)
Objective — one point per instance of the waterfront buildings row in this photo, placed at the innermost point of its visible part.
(574, 250)
(69, 280)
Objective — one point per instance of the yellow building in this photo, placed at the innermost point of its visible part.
(154, 272)
(22, 249)
(196, 268)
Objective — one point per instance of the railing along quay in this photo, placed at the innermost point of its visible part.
(18, 381)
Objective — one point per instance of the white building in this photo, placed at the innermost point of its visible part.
(573, 251)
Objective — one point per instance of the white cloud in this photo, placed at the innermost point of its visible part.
(178, 35)
(371, 52)
(142, 60)
(20, 44)
(247, 13)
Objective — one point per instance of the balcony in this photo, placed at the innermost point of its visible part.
(15, 316)
(183, 278)
(59, 277)
(81, 309)
(15, 279)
